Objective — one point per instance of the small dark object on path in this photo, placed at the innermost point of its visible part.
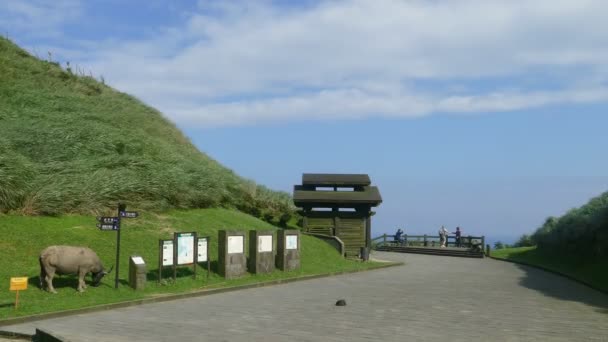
(341, 302)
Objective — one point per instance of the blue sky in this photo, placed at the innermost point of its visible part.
(489, 114)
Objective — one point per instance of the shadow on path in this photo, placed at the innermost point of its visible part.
(560, 287)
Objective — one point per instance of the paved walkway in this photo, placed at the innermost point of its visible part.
(431, 298)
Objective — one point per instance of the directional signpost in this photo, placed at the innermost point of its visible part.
(113, 223)
(129, 214)
(108, 223)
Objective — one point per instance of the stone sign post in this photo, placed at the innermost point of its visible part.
(261, 251)
(288, 250)
(137, 272)
(232, 262)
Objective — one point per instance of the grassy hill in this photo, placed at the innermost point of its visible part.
(23, 237)
(589, 270)
(575, 244)
(72, 147)
(70, 144)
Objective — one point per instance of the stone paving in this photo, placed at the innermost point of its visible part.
(431, 298)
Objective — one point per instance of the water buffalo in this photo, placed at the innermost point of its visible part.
(70, 260)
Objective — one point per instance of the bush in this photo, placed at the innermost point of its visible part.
(581, 230)
(524, 241)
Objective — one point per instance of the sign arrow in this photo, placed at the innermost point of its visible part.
(110, 220)
(104, 226)
(129, 214)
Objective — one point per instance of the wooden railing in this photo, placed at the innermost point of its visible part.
(472, 242)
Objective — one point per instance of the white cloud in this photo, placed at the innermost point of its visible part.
(352, 59)
(354, 104)
(38, 18)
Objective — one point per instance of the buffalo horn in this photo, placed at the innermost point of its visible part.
(111, 268)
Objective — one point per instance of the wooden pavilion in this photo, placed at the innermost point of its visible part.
(338, 205)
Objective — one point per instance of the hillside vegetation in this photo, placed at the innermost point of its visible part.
(70, 144)
(581, 231)
(575, 244)
(23, 237)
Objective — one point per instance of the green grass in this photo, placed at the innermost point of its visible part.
(591, 271)
(70, 144)
(24, 237)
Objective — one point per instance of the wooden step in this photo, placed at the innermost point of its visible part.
(432, 251)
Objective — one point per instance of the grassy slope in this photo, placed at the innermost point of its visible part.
(69, 144)
(589, 271)
(24, 237)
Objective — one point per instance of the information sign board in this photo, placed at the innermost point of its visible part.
(264, 243)
(202, 250)
(291, 242)
(235, 244)
(18, 283)
(168, 253)
(137, 260)
(185, 248)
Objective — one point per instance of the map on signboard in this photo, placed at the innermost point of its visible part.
(185, 249)
(168, 253)
(235, 244)
(291, 242)
(202, 250)
(264, 243)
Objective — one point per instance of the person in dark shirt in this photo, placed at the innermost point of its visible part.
(458, 234)
(398, 237)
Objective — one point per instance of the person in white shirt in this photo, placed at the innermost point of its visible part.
(443, 236)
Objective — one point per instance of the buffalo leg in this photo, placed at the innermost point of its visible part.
(81, 284)
(42, 276)
(49, 280)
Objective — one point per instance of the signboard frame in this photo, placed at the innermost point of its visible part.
(161, 245)
(176, 236)
(198, 241)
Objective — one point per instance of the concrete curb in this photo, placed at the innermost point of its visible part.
(554, 272)
(103, 307)
(16, 335)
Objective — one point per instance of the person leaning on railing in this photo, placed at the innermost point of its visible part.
(398, 238)
(458, 235)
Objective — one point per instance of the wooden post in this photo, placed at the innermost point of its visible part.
(368, 230)
(336, 225)
(425, 243)
(17, 300)
(160, 261)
